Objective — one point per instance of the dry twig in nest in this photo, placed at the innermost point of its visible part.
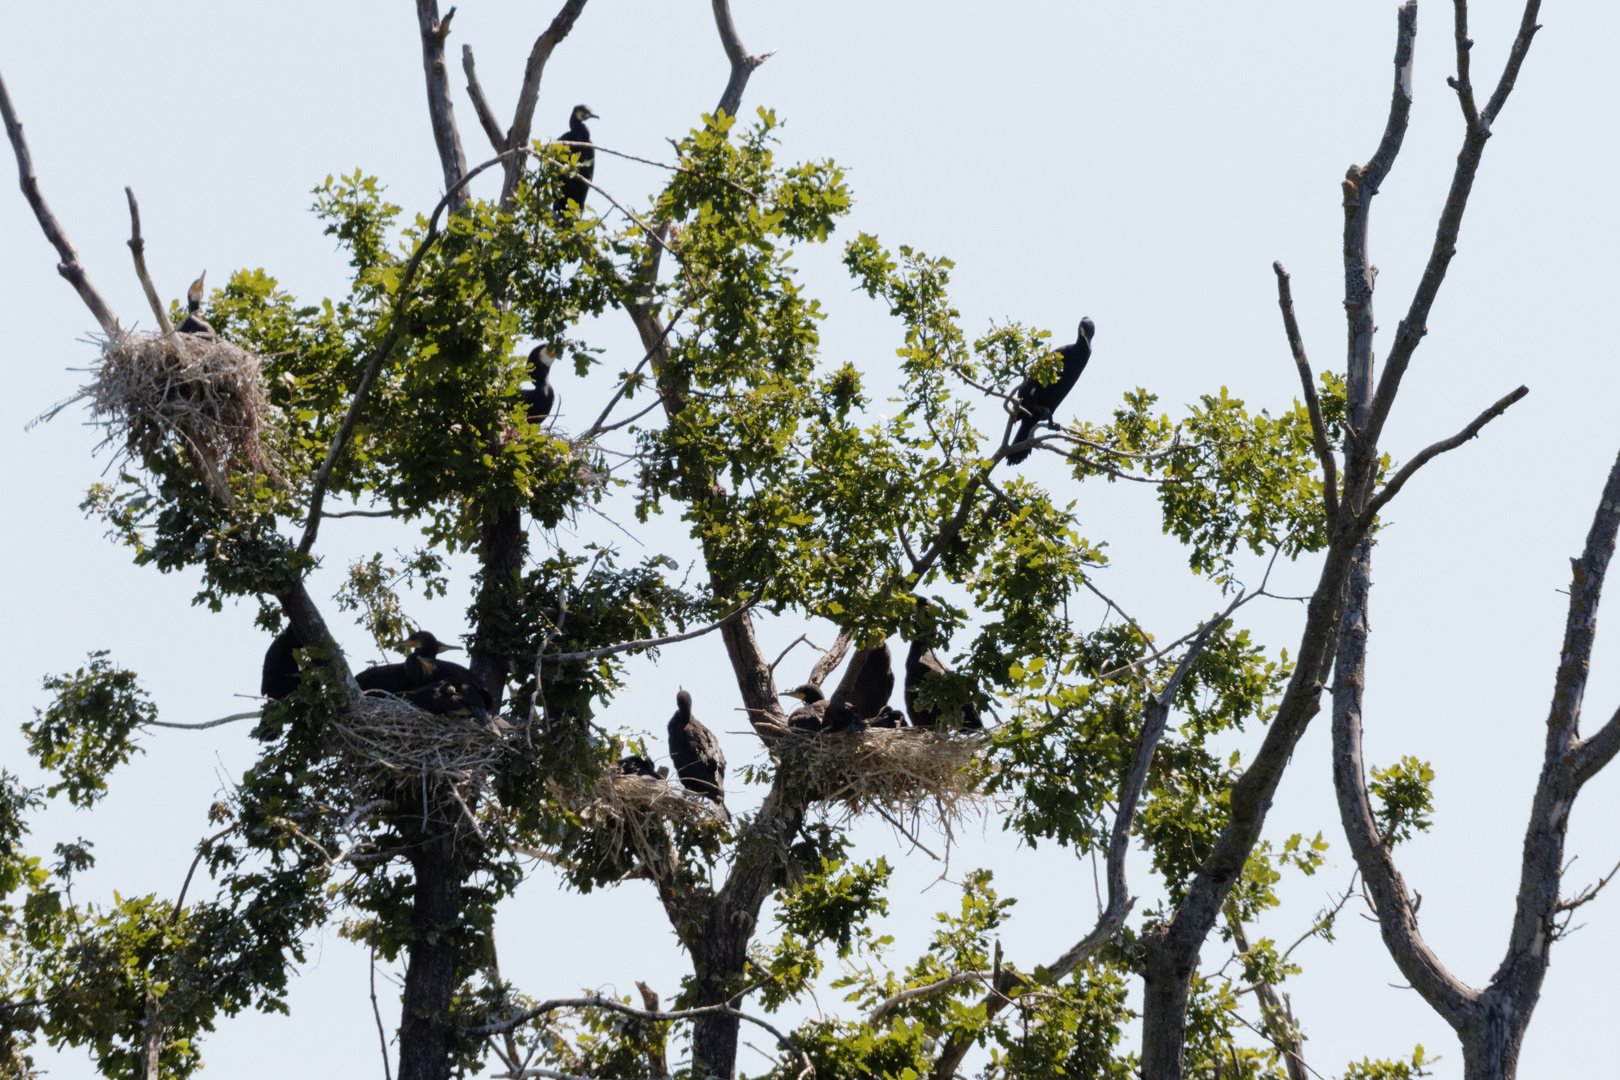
(383, 738)
(206, 396)
(896, 772)
(626, 814)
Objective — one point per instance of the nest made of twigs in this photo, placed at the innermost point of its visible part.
(898, 773)
(206, 395)
(626, 815)
(382, 738)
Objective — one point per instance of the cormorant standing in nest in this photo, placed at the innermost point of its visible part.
(919, 662)
(1037, 403)
(280, 675)
(810, 717)
(194, 322)
(842, 718)
(542, 399)
(638, 765)
(699, 762)
(575, 188)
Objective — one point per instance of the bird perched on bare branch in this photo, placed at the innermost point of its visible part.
(1037, 402)
(699, 762)
(576, 187)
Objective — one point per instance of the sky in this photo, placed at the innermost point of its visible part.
(1143, 164)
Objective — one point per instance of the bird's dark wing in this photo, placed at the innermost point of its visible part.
(280, 675)
(390, 677)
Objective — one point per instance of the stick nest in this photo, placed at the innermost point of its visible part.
(383, 739)
(205, 395)
(897, 773)
(626, 815)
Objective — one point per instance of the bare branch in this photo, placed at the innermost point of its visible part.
(441, 111)
(137, 248)
(382, 1035)
(1313, 405)
(924, 991)
(518, 134)
(1510, 71)
(783, 654)
(1461, 82)
(1432, 451)
(653, 643)
(1588, 894)
(742, 65)
(1580, 631)
(231, 719)
(831, 658)
(475, 91)
(69, 267)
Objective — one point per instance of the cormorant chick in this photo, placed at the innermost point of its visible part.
(194, 322)
(810, 717)
(445, 695)
(280, 674)
(575, 188)
(542, 399)
(888, 718)
(696, 753)
(637, 765)
(1037, 403)
(919, 662)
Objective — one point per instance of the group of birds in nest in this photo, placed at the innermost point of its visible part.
(443, 688)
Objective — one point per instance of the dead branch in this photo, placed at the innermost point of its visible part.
(1432, 451)
(137, 248)
(529, 94)
(475, 91)
(742, 65)
(924, 991)
(441, 111)
(653, 643)
(1313, 406)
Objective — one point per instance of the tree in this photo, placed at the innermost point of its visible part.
(401, 397)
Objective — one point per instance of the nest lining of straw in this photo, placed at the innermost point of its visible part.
(900, 773)
(627, 815)
(206, 395)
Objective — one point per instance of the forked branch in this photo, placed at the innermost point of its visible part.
(1434, 450)
(1313, 405)
(742, 65)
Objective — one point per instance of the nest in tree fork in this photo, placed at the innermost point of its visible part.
(382, 740)
(627, 815)
(899, 773)
(206, 396)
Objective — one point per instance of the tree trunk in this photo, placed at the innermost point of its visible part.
(1492, 1043)
(1166, 977)
(426, 1038)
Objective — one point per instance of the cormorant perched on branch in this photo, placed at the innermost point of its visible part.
(575, 188)
(1037, 403)
(194, 322)
(280, 675)
(810, 717)
(542, 399)
(919, 662)
(699, 762)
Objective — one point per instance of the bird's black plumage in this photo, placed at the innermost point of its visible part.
(841, 718)
(445, 695)
(280, 674)
(696, 753)
(638, 765)
(393, 678)
(920, 662)
(810, 717)
(194, 322)
(1037, 403)
(575, 188)
(872, 686)
(888, 718)
(542, 399)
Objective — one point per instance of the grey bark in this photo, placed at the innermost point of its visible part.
(441, 111)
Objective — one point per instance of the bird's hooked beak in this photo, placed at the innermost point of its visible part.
(194, 294)
(408, 644)
(796, 694)
(448, 648)
(592, 116)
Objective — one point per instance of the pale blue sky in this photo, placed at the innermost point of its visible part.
(1140, 163)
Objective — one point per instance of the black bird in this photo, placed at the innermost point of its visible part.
(1037, 403)
(637, 765)
(542, 399)
(280, 676)
(810, 717)
(920, 661)
(194, 322)
(699, 762)
(872, 685)
(888, 718)
(445, 695)
(575, 188)
(842, 718)
(396, 679)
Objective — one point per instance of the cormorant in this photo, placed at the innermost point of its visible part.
(1037, 403)
(888, 718)
(575, 188)
(637, 765)
(841, 717)
(421, 671)
(280, 676)
(810, 717)
(542, 399)
(394, 678)
(699, 762)
(194, 322)
(871, 687)
(445, 694)
(919, 662)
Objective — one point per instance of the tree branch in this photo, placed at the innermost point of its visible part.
(137, 248)
(1580, 631)
(441, 111)
(924, 991)
(1313, 405)
(480, 103)
(1432, 451)
(742, 65)
(69, 266)
(653, 643)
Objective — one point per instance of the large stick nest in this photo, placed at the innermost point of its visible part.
(204, 395)
(628, 814)
(898, 773)
(382, 739)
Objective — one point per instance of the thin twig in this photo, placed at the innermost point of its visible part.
(137, 248)
(1313, 406)
(231, 719)
(653, 643)
(1430, 452)
(376, 1011)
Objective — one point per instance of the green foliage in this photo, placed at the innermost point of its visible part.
(1404, 800)
(84, 734)
(1382, 1069)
